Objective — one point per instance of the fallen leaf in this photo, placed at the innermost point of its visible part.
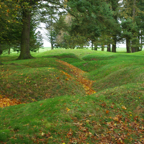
(107, 111)
(67, 109)
(42, 133)
(123, 107)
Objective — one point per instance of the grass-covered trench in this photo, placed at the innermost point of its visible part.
(72, 97)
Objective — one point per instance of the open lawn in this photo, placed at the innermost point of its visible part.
(72, 97)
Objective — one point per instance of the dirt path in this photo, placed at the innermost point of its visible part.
(87, 84)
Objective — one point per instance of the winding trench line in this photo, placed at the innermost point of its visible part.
(87, 84)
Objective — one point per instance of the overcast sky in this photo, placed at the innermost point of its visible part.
(46, 43)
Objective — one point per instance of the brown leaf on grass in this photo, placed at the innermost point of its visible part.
(8, 86)
(107, 111)
(70, 133)
(117, 118)
(67, 109)
(66, 79)
(120, 141)
(142, 140)
(87, 121)
(4, 102)
(112, 106)
(123, 107)
(42, 134)
(103, 104)
(139, 110)
(1, 96)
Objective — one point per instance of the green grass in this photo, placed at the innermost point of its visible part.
(57, 110)
(37, 79)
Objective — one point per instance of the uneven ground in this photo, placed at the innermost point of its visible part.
(72, 96)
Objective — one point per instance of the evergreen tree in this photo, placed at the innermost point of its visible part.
(49, 17)
(133, 11)
(140, 22)
(90, 18)
(8, 18)
(126, 32)
(27, 10)
(115, 32)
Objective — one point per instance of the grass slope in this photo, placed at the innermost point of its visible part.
(36, 79)
(115, 114)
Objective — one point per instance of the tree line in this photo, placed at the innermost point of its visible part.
(101, 23)
(71, 24)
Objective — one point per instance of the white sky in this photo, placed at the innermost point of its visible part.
(46, 43)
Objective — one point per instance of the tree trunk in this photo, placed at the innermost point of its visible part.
(25, 39)
(51, 44)
(92, 45)
(0, 54)
(81, 46)
(114, 33)
(141, 40)
(138, 47)
(102, 49)
(51, 33)
(0, 50)
(108, 48)
(134, 47)
(9, 50)
(128, 45)
(95, 47)
(114, 44)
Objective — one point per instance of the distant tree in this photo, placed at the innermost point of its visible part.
(35, 37)
(0, 50)
(140, 22)
(90, 18)
(49, 16)
(127, 33)
(65, 36)
(61, 31)
(132, 15)
(28, 8)
(115, 32)
(8, 18)
(105, 39)
(36, 41)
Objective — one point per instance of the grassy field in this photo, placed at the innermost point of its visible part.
(44, 49)
(73, 97)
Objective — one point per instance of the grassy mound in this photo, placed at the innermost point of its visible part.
(37, 79)
(120, 77)
(115, 114)
(111, 115)
(70, 58)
